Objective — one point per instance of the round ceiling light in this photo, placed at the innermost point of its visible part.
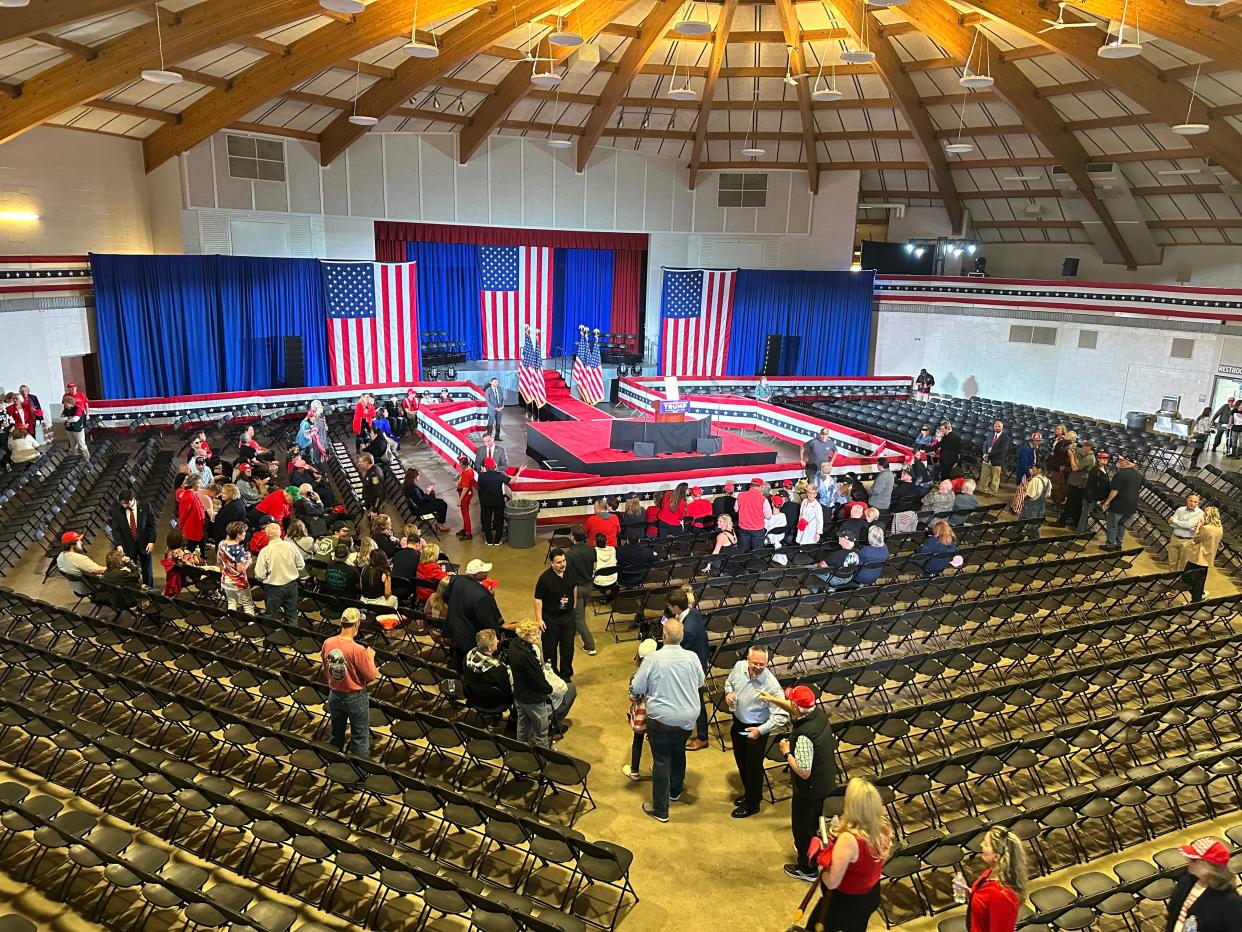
(545, 79)
(1119, 49)
(567, 39)
(826, 94)
(560, 143)
(1190, 129)
(343, 6)
(885, 3)
(361, 119)
(858, 56)
(418, 49)
(959, 148)
(975, 82)
(1188, 2)
(682, 93)
(13, 4)
(754, 152)
(159, 75)
(692, 27)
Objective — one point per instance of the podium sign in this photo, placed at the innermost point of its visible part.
(668, 410)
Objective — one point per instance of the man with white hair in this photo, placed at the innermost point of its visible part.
(279, 566)
(964, 502)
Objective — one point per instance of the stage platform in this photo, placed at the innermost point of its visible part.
(582, 446)
(571, 409)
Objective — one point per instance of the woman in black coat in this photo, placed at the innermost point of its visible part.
(1207, 891)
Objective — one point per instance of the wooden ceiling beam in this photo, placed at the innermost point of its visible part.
(11, 91)
(930, 64)
(266, 130)
(1070, 87)
(76, 49)
(1010, 195)
(636, 53)
(199, 29)
(723, 25)
(901, 195)
(259, 44)
(1129, 119)
(899, 28)
(1138, 78)
(798, 64)
(823, 166)
(43, 15)
(938, 20)
(147, 113)
(1187, 72)
(1037, 160)
(354, 66)
(268, 77)
(1227, 224)
(1153, 155)
(955, 100)
(515, 86)
(1005, 129)
(1027, 224)
(457, 46)
(1030, 51)
(1167, 190)
(203, 78)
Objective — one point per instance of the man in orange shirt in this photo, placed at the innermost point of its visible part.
(603, 522)
(350, 669)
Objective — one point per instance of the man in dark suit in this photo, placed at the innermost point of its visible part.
(677, 607)
(948, 449)
(134, 531)
(996, 447)
(495, 397)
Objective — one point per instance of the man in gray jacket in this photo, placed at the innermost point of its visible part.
(881, 496)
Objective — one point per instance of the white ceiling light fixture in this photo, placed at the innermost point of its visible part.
(416, 47)
(13, 4)
(539, 78)
(980, 78)
(685, 92)
(1117, 46)
(563, 36)
(351, 7)
(160, 75)
(689, 26)
(1188, 2)
(1187, 127)
(558, 142)
(356, 118)
(860, 54)
(752, 149)
(957, 147)
(826, 93)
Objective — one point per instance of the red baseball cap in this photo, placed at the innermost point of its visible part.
(1037, 436)
(489, 463)
(756, 481)
(801, 696)
(787, 484)
(1206, 849)
(1102, 456)
(777, 501)
(69, 537)
(71, 385)
(729, 487)
(696, 492)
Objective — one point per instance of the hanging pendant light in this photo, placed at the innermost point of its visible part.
(416, 48)
(1187, 128)
(751, 149)
(356, 118)
(343, 6)
(160, 75)
(1117, 46)
(685, 92)
(564, 37)
(826, 93)
(13, 4)
(689, 26)
(860, 55)
(981, 79)
(957, 147)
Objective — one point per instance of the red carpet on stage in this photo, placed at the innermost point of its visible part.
(582, 446)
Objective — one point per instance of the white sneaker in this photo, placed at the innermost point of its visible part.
(590, 653)
(632, 774)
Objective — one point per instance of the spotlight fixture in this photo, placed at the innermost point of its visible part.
(343, 6)
(435, 102)
(160, 75)
(452, 373)
(919, 250)
(941, 248)
(461, 105)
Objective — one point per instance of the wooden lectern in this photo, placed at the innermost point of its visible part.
(667, 411)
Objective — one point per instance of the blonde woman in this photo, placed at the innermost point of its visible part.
(1202, 554)
(997, 893)
(362, 558)
(810, 519)
(429, 573)
(863, 842)
(532, 693)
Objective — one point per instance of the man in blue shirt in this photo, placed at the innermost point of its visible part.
(694, 639)
(670, 680)
(753, 721)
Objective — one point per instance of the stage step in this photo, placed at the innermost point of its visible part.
(555, 385)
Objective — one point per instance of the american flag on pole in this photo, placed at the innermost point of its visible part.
(589, 370)
(517, 293)
(372, 328)
(531, 385)
(696, 310)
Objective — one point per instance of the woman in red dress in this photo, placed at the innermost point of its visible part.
(851, 882)
(191, 516)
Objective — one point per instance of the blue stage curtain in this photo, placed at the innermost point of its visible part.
(830, 313)
(449, 282)
(193, 325)
(582, 294)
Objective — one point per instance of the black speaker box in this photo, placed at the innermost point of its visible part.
(1069, 268)
(644, 449)
(707, 444)
(295, 363)
(771, 354)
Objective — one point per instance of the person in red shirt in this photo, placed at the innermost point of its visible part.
(603, 522)
(191, 515)
(349, 669)
(466, 483)
(863, 841)
(32, 408)
(17, 411)
(278, 505)
(997, 893)
(699, 510)
(84, 406)
(409, 411)
(672, 510)
(753, 510)
(364, 415)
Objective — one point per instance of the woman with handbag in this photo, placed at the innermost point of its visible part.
(637, 715)
(851, 865)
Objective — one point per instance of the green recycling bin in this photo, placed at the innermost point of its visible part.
(520, 514)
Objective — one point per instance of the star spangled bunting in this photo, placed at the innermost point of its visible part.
(516, 293)
(588, 371)
(696, 310)
(372, 323)
(531, 385)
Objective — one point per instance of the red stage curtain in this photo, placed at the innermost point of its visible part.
(627, 280)
(387, 231)
(389, 250)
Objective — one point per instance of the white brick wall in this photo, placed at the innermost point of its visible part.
(32, 346)
(1129, 370)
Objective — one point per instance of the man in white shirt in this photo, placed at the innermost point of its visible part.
(73, 563)
(1184, 524)
(279, 566)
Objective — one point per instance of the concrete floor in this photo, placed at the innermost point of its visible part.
(702, 870)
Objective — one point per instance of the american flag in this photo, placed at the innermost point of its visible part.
(44, 276)
(517, 293)
(531, 385)
(697, 312)
(589, 371)
(372, 323)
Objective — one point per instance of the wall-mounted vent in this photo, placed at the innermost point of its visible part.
(1022, 333)
(255, 159)
(743, 189)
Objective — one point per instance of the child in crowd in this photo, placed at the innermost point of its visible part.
(637, 714)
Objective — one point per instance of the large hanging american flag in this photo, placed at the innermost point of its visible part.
(696, 310)
(372, 327)
(589, 370)
(531, 385)
(517, 293)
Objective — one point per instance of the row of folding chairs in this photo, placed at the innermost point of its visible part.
(44, 485)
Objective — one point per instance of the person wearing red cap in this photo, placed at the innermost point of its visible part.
(753, 511)
(699, 510)
(811, 757)
(73, 562)
(1028, 454)
(79, 398)
(191, 515)
(725, 503)
(74, 413)
(1207, 892)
